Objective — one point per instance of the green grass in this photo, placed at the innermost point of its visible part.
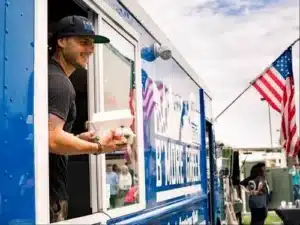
(271, 219)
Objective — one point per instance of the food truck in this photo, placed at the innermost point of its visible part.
(139, 70)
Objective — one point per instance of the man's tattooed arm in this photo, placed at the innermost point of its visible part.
(64, 143)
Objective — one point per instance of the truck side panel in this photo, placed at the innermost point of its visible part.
(162, 189)
(17, 194)
(165, 202)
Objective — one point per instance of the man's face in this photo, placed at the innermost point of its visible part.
(76, 50)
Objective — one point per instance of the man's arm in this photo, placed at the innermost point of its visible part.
(64, 143)
(60, 96)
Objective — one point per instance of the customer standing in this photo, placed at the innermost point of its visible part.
(258, 194)
(295, 181)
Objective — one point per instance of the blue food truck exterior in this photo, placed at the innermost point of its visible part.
(171, 105)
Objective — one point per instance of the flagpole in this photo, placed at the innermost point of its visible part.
(294, 42)
(298, 128)
(246, 89)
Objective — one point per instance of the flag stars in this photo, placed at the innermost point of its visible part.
(284, 64)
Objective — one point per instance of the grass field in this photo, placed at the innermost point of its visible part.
(271, 219)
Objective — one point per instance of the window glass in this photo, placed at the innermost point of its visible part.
(118, 41)
(119, 89)
(117, 79)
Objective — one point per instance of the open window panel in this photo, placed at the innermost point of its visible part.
(207, 147)
(210, 152)
(117, 86)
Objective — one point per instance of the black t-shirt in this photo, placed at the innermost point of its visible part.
(61, 102)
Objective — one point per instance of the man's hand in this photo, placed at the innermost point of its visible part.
(88, 136)
(112, 142)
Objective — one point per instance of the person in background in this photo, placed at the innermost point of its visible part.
(294, 171)
(133, 193)
(131, 171)
(116, 169)
(253, 174)
(112, 179)
(125, 182)
(257, 189)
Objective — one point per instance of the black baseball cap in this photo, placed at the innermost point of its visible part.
(77, 26)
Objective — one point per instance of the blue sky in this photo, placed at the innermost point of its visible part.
(228, 43)
(236, 8)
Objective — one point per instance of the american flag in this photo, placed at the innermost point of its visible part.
(149, 98)
(276, 85)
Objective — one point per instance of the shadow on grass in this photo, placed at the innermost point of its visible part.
(271, 219)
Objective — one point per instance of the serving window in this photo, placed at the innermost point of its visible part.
(109, 183)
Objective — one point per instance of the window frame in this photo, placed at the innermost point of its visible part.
(41, 141)
(92, 67)
(125, 31)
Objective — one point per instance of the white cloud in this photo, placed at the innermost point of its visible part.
(228, 50)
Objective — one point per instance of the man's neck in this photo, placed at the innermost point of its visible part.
(67, 67)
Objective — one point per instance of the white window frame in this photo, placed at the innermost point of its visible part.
(41, 146)
(97, 163)
(92, 67)
(125, 31)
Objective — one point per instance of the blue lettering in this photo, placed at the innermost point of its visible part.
(159, 149)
